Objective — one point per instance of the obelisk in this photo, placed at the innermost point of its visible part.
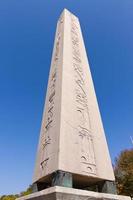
(72, 137)
(72, 154)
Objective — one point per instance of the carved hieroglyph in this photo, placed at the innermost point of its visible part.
(72, 137)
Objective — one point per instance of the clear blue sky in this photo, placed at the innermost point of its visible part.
(27, 29)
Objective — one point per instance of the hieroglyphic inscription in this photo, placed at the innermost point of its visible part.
(46, 136)
(44, 163)
(87, 151)
(87, 156)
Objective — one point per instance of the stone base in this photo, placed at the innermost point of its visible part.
(63, 193)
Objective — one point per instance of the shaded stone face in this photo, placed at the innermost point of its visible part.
(72, 137)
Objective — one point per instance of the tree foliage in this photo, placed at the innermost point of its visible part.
(9, 197)
(13, 197)
(28, 191)
(124, 172)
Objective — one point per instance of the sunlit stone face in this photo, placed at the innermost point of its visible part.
(72, 137)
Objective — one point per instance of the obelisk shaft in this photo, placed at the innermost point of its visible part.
(72, 137)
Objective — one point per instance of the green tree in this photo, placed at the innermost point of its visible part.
(9, 197)
(13, 197)
(28, 191)
(124, 172)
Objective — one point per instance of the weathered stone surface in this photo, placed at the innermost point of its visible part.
(62, 193)
(72, 137)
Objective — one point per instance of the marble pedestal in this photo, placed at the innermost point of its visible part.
(62, 193)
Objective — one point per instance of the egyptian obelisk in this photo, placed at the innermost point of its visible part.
(72, 137)
(72, 156)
